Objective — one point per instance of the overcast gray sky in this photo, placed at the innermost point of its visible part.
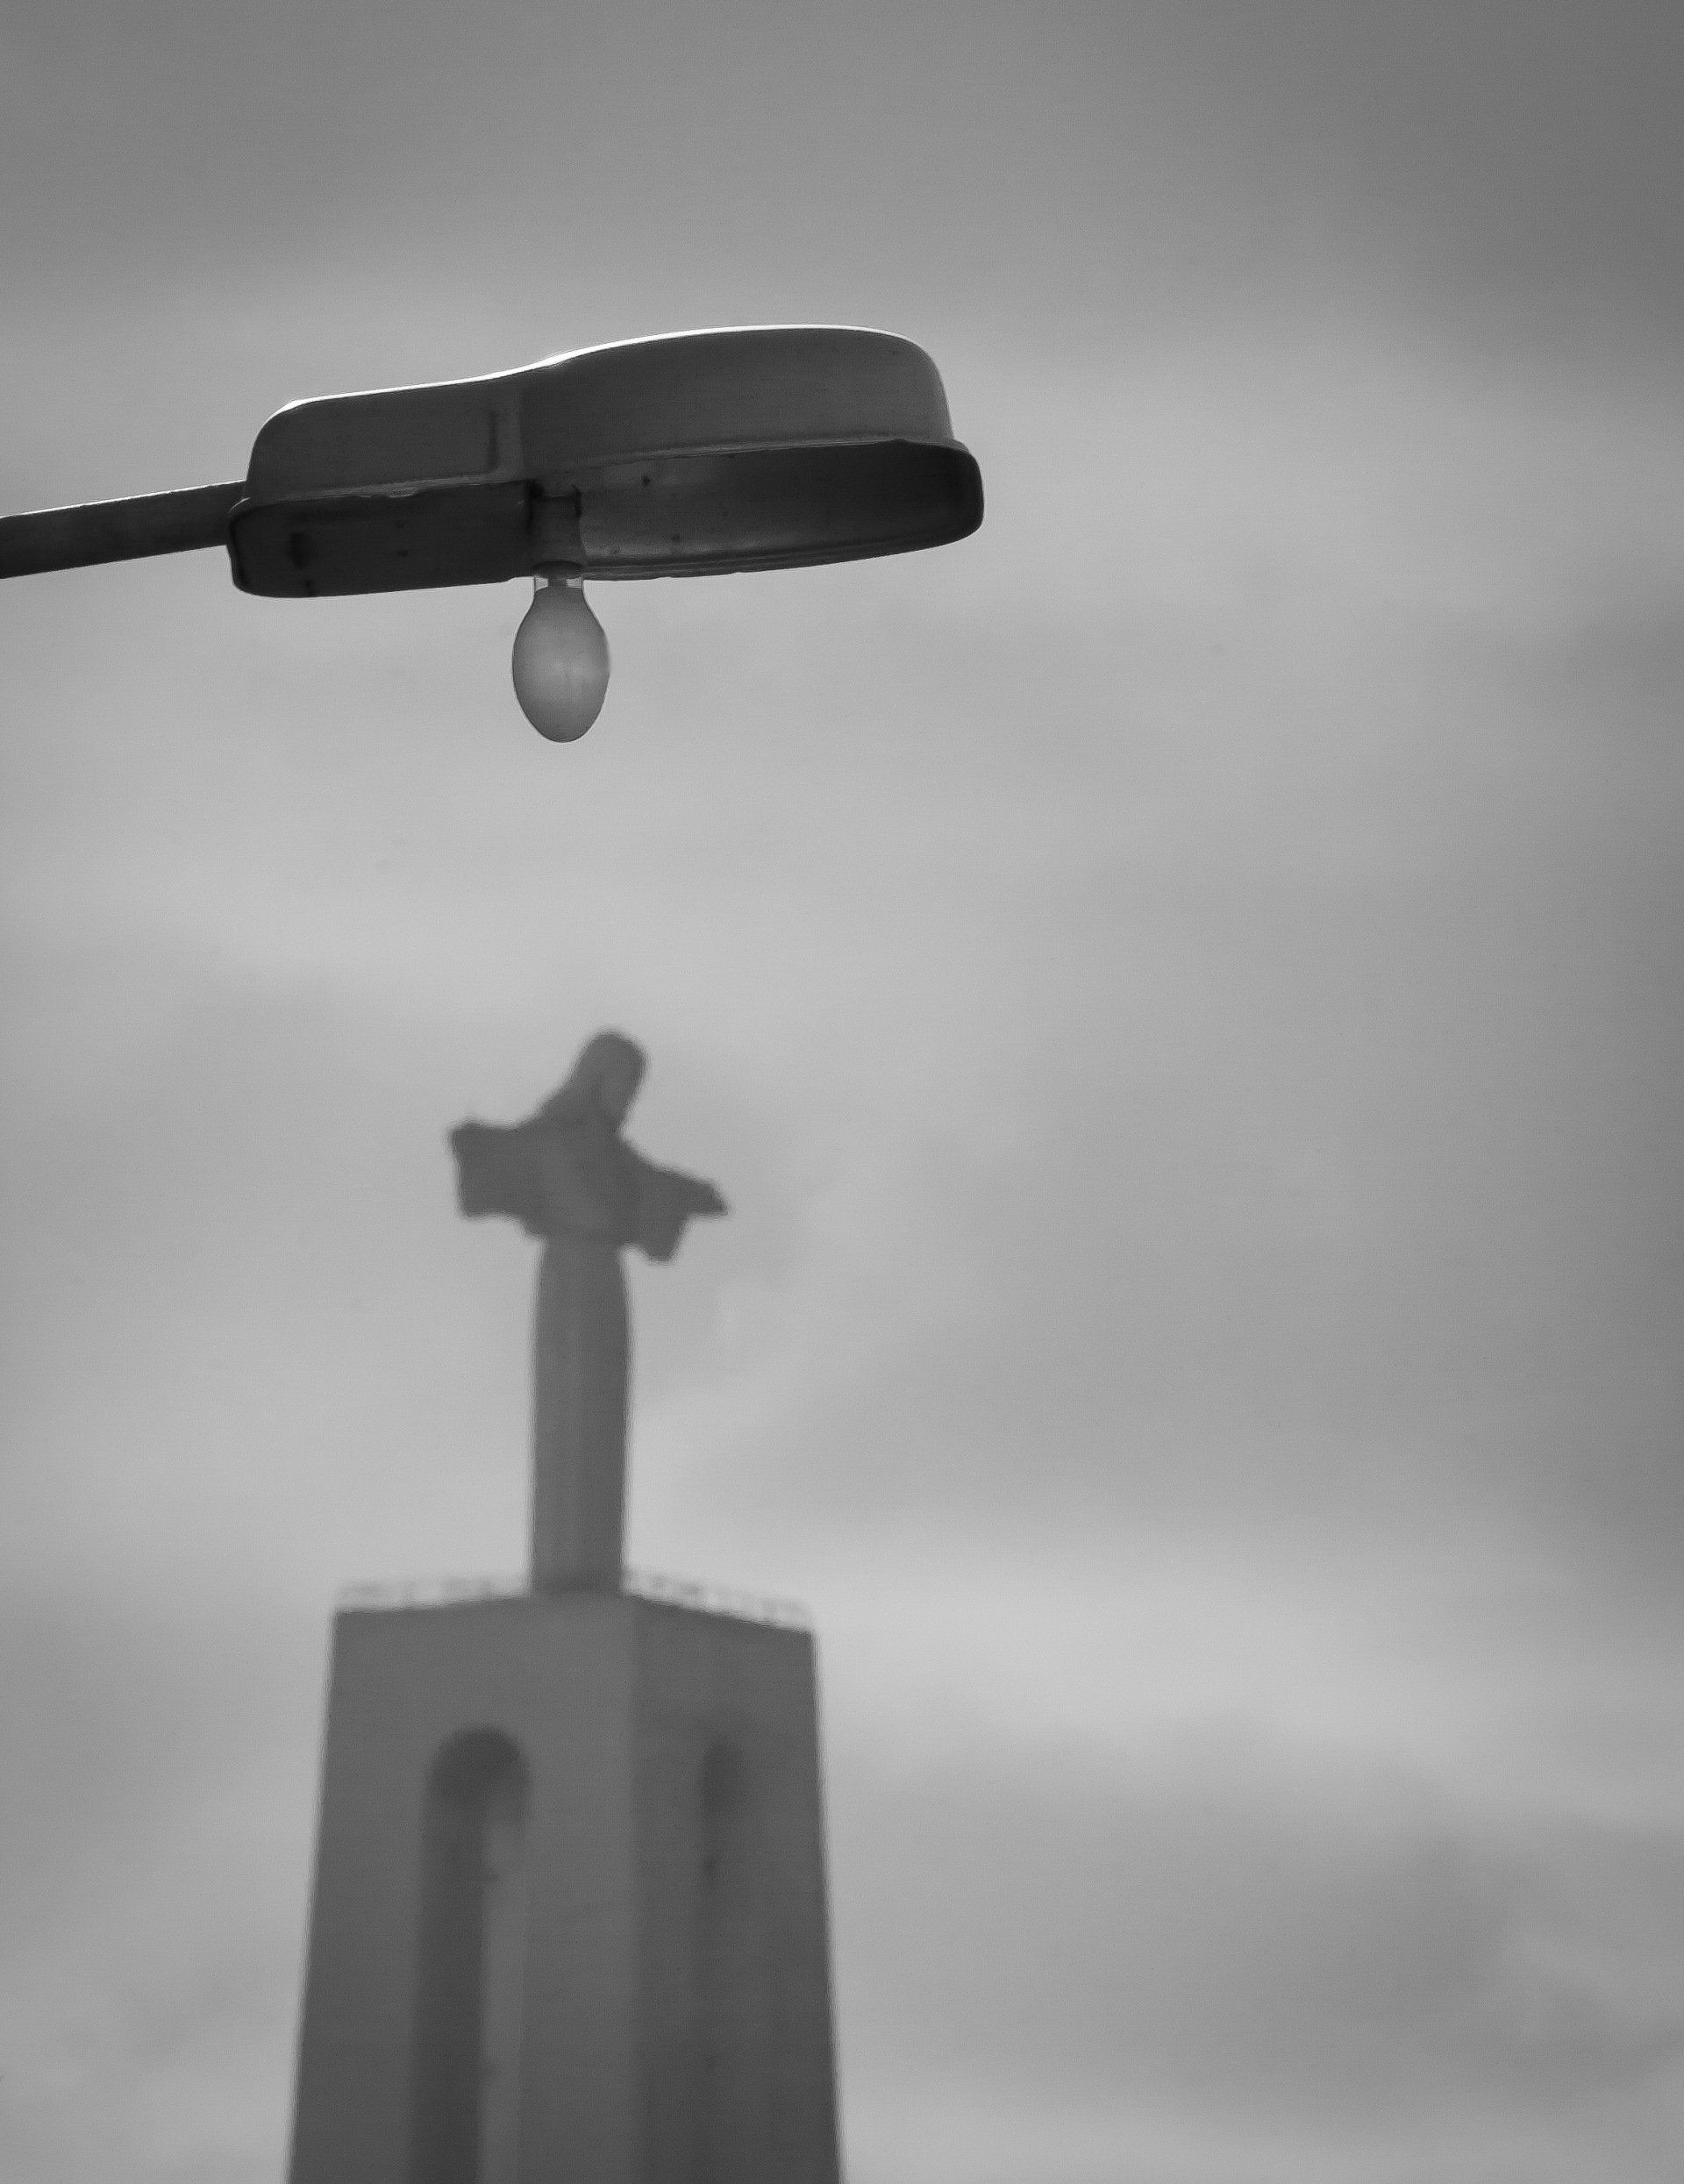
(1181, 991)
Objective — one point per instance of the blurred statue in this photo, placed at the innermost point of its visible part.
(568, 1176)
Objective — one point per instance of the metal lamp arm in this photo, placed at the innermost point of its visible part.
(117, 531)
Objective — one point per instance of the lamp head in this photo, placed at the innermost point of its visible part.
(695, 454)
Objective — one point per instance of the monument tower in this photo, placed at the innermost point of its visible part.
(569, 1918)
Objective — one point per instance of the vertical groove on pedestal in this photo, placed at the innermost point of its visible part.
(466, 2084)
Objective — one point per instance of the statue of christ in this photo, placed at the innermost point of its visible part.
(568, 1176)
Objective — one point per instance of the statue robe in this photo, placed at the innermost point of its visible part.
(573, 1181)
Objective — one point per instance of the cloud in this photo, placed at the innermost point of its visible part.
(155, 1830)
(1234, 1948)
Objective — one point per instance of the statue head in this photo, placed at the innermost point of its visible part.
(602, 1084)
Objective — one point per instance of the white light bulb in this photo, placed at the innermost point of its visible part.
(560, 659)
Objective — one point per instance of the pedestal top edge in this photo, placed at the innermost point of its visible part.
(647, 1586)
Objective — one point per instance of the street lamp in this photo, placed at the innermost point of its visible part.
(691, 454)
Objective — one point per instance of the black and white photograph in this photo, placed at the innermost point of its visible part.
(842, 1093)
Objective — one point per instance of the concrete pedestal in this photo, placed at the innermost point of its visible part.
(570, 1916)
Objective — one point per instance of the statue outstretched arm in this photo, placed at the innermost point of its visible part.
(497, 1172)
(514, 1172)
(667, 1200)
